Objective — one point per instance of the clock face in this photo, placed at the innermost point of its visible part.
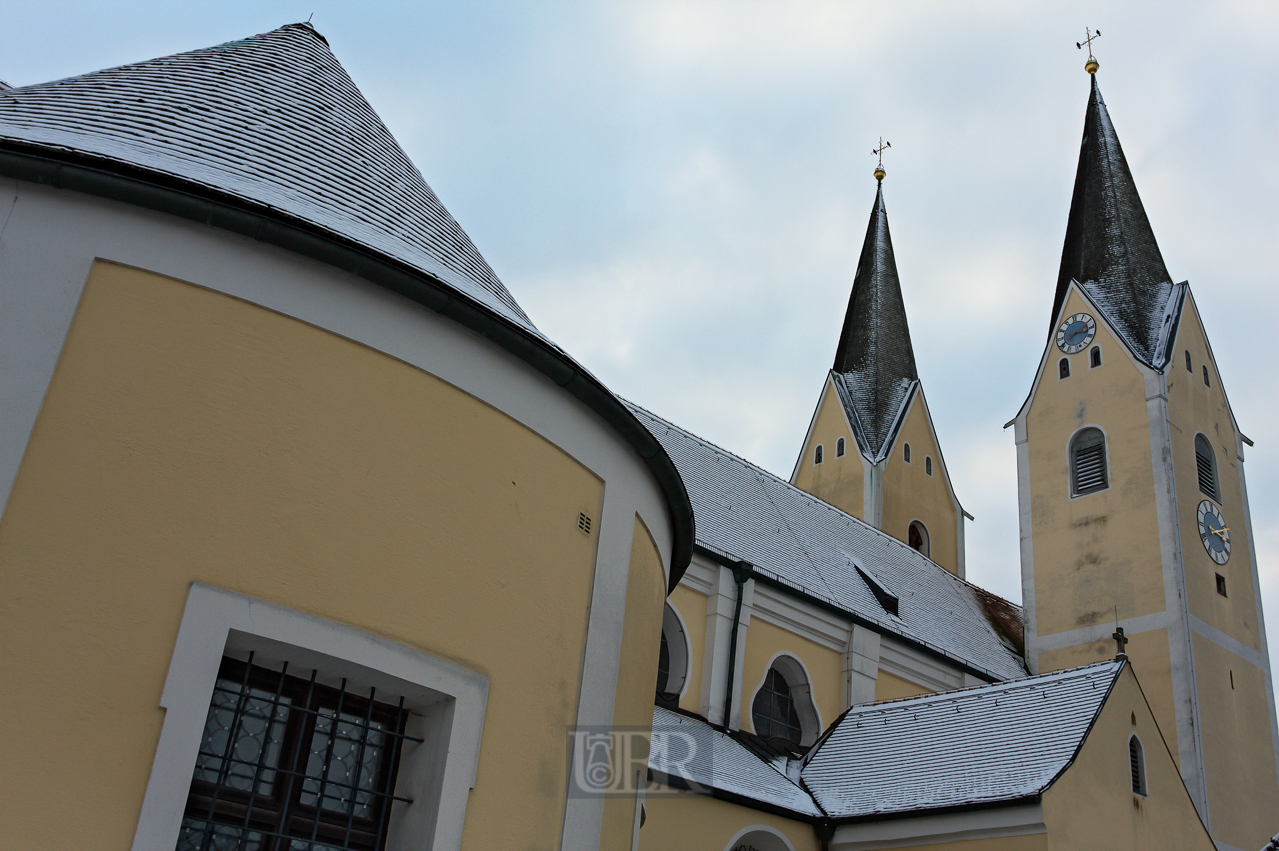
(1213, 532)
(1076, 333)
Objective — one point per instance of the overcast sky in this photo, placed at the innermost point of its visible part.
(677, 192)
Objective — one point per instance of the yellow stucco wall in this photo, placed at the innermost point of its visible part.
(188, 436)
(691, 606)
(1100, 550)
(911, 494)
(891, 687)
(1152, 662)
(1092, 805)
(763, 642)
(702, 823)
(637, 672)
(1239, 757)
(838, 481)
(1195, 408)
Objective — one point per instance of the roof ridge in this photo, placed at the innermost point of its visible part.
(1002, 685)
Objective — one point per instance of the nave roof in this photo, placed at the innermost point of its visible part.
(745, 513)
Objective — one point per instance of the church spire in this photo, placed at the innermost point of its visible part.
(1109, 248)
(875, 361)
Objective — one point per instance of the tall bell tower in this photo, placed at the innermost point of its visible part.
(1133, 503)
(871, 449)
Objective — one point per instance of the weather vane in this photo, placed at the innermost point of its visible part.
(1091, 65)
(879, 152)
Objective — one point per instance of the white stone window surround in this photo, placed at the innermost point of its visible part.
(676, 632)
(793, 669)
(446, 701)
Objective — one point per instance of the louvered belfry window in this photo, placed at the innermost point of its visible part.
(1206, 467)
(1088, 472)
(1137, 763)
(290, 764)
(774, 710)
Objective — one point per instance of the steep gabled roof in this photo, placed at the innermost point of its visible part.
(1110, 248)
(875, 363)
(986, 745)
(746, 513)
(273, 121)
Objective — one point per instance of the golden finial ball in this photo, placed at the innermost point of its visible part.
(879, 173)
(1091, 65)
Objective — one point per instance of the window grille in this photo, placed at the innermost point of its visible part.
(1063, 368)
(1189, 366)
(1137, 763)
(928, 464)
(287, 764)
(1207, 383)
(839, 448)
(1094, 357)
(817, 454)
(1206, 467)
(906, 453)
(773, 710)
(1088, 472)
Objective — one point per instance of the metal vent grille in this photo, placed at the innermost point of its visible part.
(1089, 462)
(584, 523)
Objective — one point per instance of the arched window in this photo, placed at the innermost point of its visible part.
(1189, 367)
(1063, 368)
(1207, 383)
(839, 448)
(783, 706)
(928, 464)
(1094, 357)
(1088, 472)
(1206, 467)
(672, 665)
(917, 537)
(1137, 764)
(906, 453)
(817, 454)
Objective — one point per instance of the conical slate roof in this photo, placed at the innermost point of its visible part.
(1110, 249)
(875, 364)
(272, 121)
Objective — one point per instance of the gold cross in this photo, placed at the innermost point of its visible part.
(879, 152)
(1088, 40)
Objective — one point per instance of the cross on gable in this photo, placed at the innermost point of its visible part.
(1120, 641)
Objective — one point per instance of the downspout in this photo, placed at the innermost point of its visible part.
(741, 572)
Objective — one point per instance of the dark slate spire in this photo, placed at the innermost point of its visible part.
(1110, 249)
(875, 363)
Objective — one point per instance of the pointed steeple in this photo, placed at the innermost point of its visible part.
(875, 363)
(1110, 249)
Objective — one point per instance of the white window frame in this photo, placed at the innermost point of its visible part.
(446, 703)
(793, 668)
(677, 645)
(819, 454)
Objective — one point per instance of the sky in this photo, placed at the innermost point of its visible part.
(677, 192)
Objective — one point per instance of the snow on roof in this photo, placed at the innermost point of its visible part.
(273, 122)
(744, 512)
(990, 744)
(726, 765)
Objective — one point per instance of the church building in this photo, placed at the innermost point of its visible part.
(311, 540)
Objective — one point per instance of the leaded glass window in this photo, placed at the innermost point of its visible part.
(773, 711)
(291, 764)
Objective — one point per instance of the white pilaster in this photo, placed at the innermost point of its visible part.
(859, 666)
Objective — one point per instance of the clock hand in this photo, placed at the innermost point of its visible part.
(1221, 533)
